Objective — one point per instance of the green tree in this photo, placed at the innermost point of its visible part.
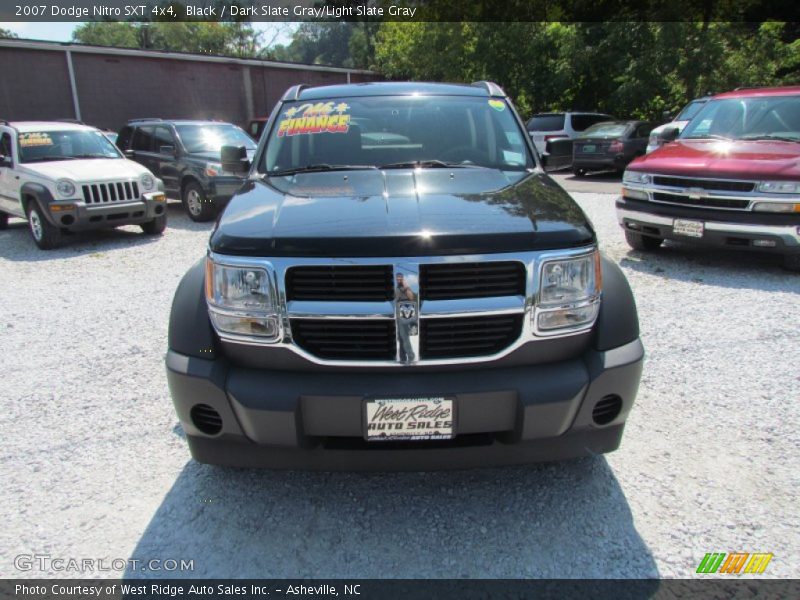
(5, 33)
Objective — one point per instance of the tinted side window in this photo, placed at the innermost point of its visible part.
(124, 138)
(554, 122)
(581, 122)
(143, 139)
(163, 137)
(5, 145)
(643, 130)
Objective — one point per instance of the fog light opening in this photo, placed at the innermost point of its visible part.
(159, 210)
(67, 220)
(607, 409)
(206, 419)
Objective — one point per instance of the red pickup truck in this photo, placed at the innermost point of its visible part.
(731, 178)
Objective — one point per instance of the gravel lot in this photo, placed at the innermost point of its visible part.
(94, 464)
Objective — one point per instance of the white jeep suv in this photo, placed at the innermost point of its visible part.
(69, 177)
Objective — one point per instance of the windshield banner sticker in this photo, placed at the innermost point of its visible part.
(37, 138)
(322, 117)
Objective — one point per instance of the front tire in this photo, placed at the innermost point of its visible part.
(156, 226)
(637, 241)
(578, 172)
(791, 262)
(197, 205)
(45, 235)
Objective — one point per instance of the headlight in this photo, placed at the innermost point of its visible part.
(241, 300)
(635, 177)
(779, 187)
(147, 182)
(65, 188)
(213, 169)
(569, 293)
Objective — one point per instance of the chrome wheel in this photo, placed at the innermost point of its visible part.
(36, 225)
(194, 203)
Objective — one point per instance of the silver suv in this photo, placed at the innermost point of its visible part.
(549, 126)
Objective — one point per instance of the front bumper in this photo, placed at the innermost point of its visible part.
(313, 420)
(98, 216)
(743, 230)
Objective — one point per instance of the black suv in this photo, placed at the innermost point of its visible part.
(186, 156)
(399, 285)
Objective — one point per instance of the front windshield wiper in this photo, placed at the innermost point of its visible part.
(429, 164)
(93, 156)
(766, 136)
(707, 136)
(319, 167)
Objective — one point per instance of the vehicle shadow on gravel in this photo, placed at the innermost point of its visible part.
(718, 268)
(568, 519)
(16, 243)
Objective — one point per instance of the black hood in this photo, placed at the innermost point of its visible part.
(400, 213)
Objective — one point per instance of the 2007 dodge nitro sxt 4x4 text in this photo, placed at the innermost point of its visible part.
(399, 285)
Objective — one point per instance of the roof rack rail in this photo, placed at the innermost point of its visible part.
(145, 119)
(491, 88)
(293, 93)
(74, 121)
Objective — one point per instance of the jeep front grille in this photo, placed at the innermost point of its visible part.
(334, 282)
(450, 281)
(346, 339)
(468, 336)
(114, 191)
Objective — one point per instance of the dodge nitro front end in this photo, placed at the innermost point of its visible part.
(399, 285)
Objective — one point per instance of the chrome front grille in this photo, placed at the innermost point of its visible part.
(112, 191)
(439, 310)
(708, 201)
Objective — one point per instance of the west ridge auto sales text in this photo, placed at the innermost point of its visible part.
(321, 12)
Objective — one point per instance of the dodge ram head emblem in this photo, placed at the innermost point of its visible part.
(408, 310)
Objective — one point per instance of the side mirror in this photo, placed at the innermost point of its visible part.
(234, 159)
(167, 150)
(129, 153)
(557, 154)
(5, 161)
(668, 135)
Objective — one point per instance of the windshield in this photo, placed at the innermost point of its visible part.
(690, 110)
(210, 138)
(747, 118)
(605, 130)
(395, 132)
(39, 146)
(546, 123)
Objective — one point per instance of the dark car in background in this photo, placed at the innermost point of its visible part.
(609, 145)
(186, 156)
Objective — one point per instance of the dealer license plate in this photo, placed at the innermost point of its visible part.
(589, 148)
(398, 419)
(688, 228)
